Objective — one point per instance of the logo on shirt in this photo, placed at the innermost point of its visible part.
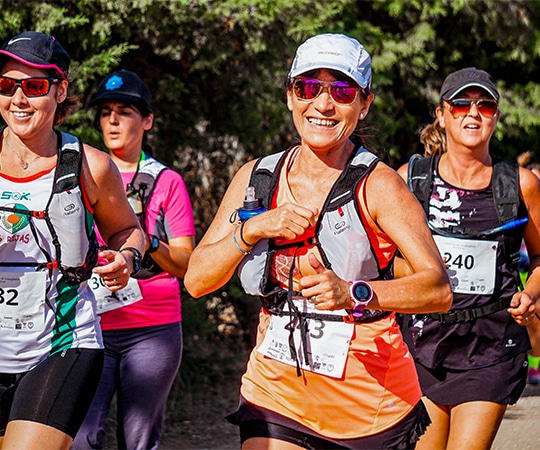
(11, 221)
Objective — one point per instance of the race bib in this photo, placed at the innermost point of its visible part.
(327, 341)
(108, 300)
(22, 300)
(471, 264)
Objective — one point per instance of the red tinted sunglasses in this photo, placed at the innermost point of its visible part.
(309, 89)
(462, 106)
(32, 87)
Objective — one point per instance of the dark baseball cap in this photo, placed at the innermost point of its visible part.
(123, 86)
(465, 78)
(39, 50)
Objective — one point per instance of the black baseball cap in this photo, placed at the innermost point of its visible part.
(465, 78)
(123, 86)
(39, 50)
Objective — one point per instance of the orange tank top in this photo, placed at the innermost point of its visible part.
(379, 386)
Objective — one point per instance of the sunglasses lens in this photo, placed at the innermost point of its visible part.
(35, 87)
(343, 92)
(7, 86)
(307, 89)
(460, 108)
(488, 108)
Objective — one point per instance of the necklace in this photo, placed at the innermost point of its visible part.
(25, 164)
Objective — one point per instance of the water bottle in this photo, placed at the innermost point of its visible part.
(252, 206)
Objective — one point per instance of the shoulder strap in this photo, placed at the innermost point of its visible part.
(146, 177)
(419, 178)
(265, 176)
(68, 169)
(506, 189)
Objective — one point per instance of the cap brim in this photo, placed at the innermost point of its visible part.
(482, 86)
(330, 65)
(117, 97)
(46, 66)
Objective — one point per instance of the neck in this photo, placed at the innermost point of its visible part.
(127, 162)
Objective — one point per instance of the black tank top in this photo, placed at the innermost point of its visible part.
(486, 340)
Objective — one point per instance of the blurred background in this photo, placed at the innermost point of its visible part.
(216, 68)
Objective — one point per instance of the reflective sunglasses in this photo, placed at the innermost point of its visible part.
(309, 89)
(32, 87)
(461, 107)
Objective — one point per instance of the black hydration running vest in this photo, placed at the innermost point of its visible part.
(509, 207)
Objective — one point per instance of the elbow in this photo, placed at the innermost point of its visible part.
(194, 289)
(446, 298)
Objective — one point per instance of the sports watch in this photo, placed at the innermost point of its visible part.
(361, 295)
(137, 257)
(154, 243)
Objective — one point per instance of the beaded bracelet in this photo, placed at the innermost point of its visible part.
(237, 246)
(247, 244)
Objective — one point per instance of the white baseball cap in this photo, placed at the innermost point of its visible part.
(336, 52)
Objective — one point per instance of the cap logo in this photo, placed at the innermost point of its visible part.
(113, 83)
(12, 41)
(472, 75)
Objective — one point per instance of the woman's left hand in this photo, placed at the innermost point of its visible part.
(115, 269)
(522, 308)
(325, 290)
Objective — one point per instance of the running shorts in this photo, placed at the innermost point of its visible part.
(500, 383)
(57, 392)
(255, 421)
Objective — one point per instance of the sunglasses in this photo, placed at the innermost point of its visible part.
(341, 92)
(32, 87)
(461, 107)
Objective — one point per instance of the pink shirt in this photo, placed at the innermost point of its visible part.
(160, 304)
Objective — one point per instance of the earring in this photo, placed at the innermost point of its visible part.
(361, 115)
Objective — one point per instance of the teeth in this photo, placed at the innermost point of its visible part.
(322, 122)
(21, 114)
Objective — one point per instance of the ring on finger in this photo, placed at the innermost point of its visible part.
(312, 299)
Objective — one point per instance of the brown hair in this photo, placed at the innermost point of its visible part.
(433, 137)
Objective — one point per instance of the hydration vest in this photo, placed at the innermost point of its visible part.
(143, 184)
(340, 235)
(509, 207)
(73, 237)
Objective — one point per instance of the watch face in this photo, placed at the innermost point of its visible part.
(361, 292)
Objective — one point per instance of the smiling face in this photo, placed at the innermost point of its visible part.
(123, 127)
(30, 117)
(472, 130)
(323, 124)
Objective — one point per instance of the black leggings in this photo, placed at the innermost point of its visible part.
(57, 392)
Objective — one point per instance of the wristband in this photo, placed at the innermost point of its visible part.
(137, 257)
(247, 244)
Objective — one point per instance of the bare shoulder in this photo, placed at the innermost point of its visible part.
(529, 184)
(98, 170)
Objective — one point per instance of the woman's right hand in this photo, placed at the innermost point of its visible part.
(286, 222)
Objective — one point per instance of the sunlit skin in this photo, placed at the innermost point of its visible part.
(123, 129)
(329, 139)
(473, 131)
(29, 118)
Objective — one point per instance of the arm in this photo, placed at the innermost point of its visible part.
(173, 257)
(215, 259)
(170, 202)
(114, 217)
(523, 303)
(425, 288)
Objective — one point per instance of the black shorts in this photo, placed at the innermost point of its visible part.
(500, 383)
(57, 392)
(255, 421)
